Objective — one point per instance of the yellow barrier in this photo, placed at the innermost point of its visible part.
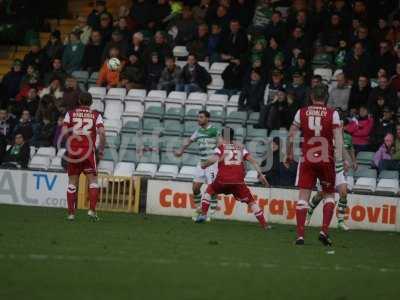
(117, 193)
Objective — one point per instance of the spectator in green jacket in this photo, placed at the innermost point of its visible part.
(73, 53)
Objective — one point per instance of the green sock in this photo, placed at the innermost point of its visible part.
(342, 205)
(197, 200)
(315, 200)
(214, 203)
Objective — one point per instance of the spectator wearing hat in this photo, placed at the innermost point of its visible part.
(194, 78)
(54, 47)
(94, 18)
(382, 126)
(170, 76)
(19, 153)
(56, 71)
(234, 43)
(73, 53)
(84, 29)
(359, 94)
(339, 95)
(93, 54)
(117, 41)
(384, 90)
(37, 57)
(10, 85)
(360, 128)
(252, 95)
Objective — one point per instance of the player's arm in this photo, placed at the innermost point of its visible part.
(186, 144)
(210, 161)
(257, 167)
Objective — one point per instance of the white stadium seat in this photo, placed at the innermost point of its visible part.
(217, 83)
(205, 65)
(187, 172)
(136, 94)
(61, 152)
(97, 105)
(134, 108)
(218, 68)
(113, 125)
(46, 151)
(365, 184)
(98, 92)
(350, 182)
(32, 150)
(177, 97)
(157, 95)
(116, 94)
(146, 169)
(388, 186)
(217, 99)
(170, 171)
(251, 177)
(124, 169)
(55, 164)
(325, 73)
(180, 51)
(40, 163)
(106, 167)
(197, 98)
(113, 110)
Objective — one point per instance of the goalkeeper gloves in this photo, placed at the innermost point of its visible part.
(339, 166)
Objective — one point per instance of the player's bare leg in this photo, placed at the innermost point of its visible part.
(328, 211)
(312, 205)
(72, 198)
(342, 206)
(301, 214)
(93, 196)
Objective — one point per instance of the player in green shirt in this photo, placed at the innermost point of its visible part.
(207, 138)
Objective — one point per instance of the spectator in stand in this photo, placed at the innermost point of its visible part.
(37, 57)
(277, 28)
(383, 157)
(29, 103)
(73, 53)
(122, 26)
(47, 107)
(56, 71)
(94, 19)
(26, 126)
(200, 11)
(233, 77)
(301, 66)
(170, 76)
(93, 54)
(107, 77)
(384, 90)
(396, 154)
(272, 168)
(357, 63)
(298, 88)
(137, 45)
(70, 96)
(277, 116)
(359, 94)
(199, 46)
(57, 133)
(187, 27)
(141, 13)
(194, 78)
(385, 58)
(153, 72)
(18, 155)
(363, 38)
(10, 85)
(382, 126)
(395, 82)
(46, 129)
(252, 95)
(394, 31)
(160, 15)
(54, 89)
(262, 15)
(106, 27)
(235, 43)
(7, 124)
(117, 41)
(340, 94)
(360, 129)
(54, 47)
(84, 29)
(214, 43)
(221, 18)
(297, 43)
(243, 10)
(159, 45)
(133, 73)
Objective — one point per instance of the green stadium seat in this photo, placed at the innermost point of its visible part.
(217, 115)
(110, 154)
(365, 157)
(153, 109)
(170, 143)
(189, 128)
(240, 131)
(256, 133)
(253, 118)
(150, 157)
(237, 117)
(93, 78)
(131, 127)
(152, 126)
(192, 113)
(172, 127)
(150, 141)
(389, 174)
(113, 141)
(128, 155)
(168, 158)
(190, 159)
(174, 113)
(367, 173)
(130, 141)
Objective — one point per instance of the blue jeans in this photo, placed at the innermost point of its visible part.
(188, 88)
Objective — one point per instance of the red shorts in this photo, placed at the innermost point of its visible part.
(308, 173)
(240, 191)
(78, 164)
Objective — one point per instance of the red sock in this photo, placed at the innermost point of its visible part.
(205, 204)
(261, 219)
(301, 215)
(328, 210)
(93, 196)
(71, 199)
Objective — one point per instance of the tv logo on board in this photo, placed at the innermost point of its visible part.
(43, 179)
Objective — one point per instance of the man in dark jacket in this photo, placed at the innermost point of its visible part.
(92, 58)
(170, 76)
(18, 155)
(199, 46)
(252, 94)
(11, 82)
(93, 19)
(383, 90)
(36, 57)
(194, 78)
(235, 43)
(56, 71)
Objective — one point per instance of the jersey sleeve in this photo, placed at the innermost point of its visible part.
(193, 138)
(99, 121)
(336, 120)
(297, 119)
(67, 120)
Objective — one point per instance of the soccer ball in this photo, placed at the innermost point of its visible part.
(114, 64)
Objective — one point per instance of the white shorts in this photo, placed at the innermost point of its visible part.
(339, 180)
(206, 175)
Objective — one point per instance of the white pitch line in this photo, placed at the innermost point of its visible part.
(162, 261)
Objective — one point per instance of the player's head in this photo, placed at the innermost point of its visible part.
(319, 94)
(85, 99)
(228, 134)
(203, 118)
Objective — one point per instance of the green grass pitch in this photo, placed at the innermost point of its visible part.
(42, 256)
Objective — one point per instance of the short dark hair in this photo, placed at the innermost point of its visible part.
(320, 92)
(228, 133)
(318, 77)
(205, 113)
(85, 99)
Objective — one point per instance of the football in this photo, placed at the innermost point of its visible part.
(114, 64)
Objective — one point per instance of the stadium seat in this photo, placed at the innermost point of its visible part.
(152, 126)
(98, 92)
(55, 164)
(133, 109)
(281, 133)
(146, 169)
(251, 177)
(217, 99)
(173, 111)
(325, 73)
(46, 151)
(93, 78)
(217, 113)
(189, 128)
(350, 181)
(181, 63)
(110, 154)
(39, 163)
(106, 167)
(189, 159)
(192, 111)
(113, 110)
(130, 141)
(176, 97)
(365, 158)
(234, 100)
(153, 109)
(180, 51)
(167, 171)
(218, 68)
(113, 141)
(157, 95)
(116, 94)
(240, 131)
(172, 127)
(237, 117)
(385, 174)
(136, 95)
(170, 143)
(365, 180)
(390, 186)
(132, 126)
(205, 65)
(81, 76)
(125, 169)
(97, 105)
(197, 98)
(256, 133)
(114, 126)
(61, 152)
(253, 118)
(217, 83)
(187, 172)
